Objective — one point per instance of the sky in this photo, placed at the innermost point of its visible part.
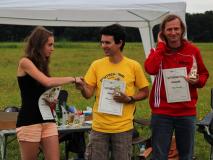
(198, 6)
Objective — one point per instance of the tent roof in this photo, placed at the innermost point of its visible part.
(135, 13)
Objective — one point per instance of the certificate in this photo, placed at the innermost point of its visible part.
(177, 88)
(106, 101)
(50, 95)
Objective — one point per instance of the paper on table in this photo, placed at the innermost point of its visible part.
(49, 95)
(177, 88)
(88, 122)
(106, 101)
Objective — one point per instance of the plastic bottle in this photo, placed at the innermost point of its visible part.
(72, 109)
(142, 148)
(64, 116)
(66, 106)
(58, 114)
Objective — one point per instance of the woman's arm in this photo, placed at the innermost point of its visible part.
(27, 67)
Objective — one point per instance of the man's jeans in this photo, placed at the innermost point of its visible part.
(162, 131)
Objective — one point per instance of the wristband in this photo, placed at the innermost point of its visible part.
(132, 100)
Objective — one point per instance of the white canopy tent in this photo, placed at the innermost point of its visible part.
(142, 14)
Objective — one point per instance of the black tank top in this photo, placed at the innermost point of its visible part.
(30, 92)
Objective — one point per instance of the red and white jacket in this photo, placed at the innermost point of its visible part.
(165, 58)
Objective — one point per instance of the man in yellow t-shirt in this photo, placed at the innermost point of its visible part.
(118, 82)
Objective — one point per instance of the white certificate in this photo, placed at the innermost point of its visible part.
(50, 95)
(106, 101)
(177, 88)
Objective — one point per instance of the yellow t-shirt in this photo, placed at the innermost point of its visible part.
(128, 71)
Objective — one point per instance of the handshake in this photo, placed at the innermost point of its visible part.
(79, 83)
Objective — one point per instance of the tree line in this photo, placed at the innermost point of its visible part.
(199, 29)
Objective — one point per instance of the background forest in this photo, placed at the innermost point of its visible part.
(199, 29)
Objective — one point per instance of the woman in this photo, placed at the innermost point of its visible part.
(34, 79)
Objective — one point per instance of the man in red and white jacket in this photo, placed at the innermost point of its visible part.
(174, 52)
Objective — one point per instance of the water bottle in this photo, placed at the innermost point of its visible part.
(66, 107)
(64, 116)
(142, 150)
(58, 114)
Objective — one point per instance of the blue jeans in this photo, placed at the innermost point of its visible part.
(163, 127)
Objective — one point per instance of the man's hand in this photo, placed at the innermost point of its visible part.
(121, 97)
(192, 80)
(86, 90)
(161, 37)
(79, 83)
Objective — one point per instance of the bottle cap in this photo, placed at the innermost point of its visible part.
(72, 109)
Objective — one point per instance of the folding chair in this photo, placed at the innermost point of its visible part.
(140, 143)
(205, 126)
(13, 118)
(11, 109)
(10, 117)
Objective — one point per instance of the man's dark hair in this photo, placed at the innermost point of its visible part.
(117, 31)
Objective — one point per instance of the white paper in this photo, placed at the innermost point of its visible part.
(106, 101)
(50, 95)
(177, 88)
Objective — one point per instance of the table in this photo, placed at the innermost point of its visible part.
(8, 125)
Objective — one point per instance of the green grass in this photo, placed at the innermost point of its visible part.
(73, 59)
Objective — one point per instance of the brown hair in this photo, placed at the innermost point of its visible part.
(172, 17)
(34, 48)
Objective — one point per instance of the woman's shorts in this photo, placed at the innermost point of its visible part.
(35, 132)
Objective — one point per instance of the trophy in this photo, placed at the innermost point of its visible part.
(193, 71)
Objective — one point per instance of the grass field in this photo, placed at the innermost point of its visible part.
(73, 59)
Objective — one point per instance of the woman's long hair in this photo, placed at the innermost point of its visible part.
(35, 43)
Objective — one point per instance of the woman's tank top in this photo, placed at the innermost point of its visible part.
(30, 92)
